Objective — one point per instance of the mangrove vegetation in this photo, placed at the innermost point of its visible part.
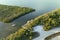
(49, 20)
(9, 13)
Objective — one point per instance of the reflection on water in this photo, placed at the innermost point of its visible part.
(41, 6)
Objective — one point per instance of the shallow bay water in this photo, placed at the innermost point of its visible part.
(41, 6)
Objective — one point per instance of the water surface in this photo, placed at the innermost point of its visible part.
(41, 6)
(44, 34)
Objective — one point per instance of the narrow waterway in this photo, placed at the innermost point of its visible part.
(41, 6)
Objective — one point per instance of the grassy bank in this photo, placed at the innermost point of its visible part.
(9, 13)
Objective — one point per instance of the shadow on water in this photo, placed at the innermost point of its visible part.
(35, 35)
(55, 27)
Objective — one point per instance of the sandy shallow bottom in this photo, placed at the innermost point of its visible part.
(44, 34)
(56, 38)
